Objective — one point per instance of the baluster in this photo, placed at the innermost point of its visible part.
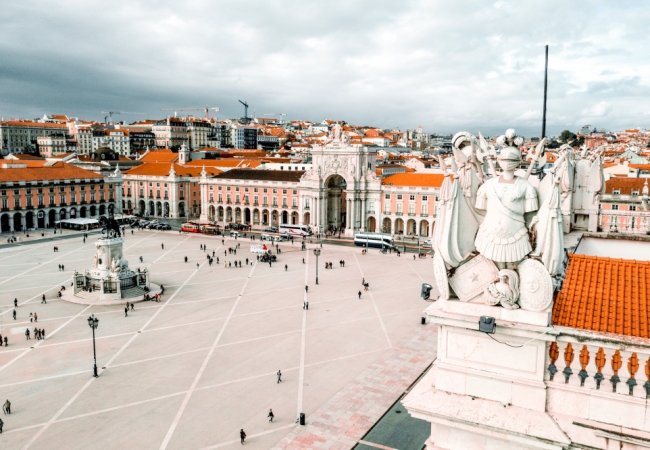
(632, 367)
(584, 360)
(616, 365)
(646, 385)
(554, 354)
(568, 358)
(600, 363)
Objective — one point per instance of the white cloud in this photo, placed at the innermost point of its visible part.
(445, 65)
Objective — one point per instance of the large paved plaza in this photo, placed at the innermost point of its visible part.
(191, 371)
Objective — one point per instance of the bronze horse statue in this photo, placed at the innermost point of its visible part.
(110, 227)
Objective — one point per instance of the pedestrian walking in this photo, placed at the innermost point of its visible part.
(363, 281)
(27, 334)
(141, 260)
(43, 299)
(15, 303)
(359, 295)
(37, 334)
(307, 306)
(59, 267)
(62, 267)
(14, 314)
(271, 415)
(186, 259)
(126, 311)
(35, 317)
(306, 288)
(42, 333)
(242, 436)
(197, 266)
(132, 307)
(7, 407)
(1, 425)
(162, 246)
(31, 317)
(303, 260)
(286, 267)
(6, 344)
(279, 374)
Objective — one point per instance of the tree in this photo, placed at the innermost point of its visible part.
(29, 149)
(566, 136)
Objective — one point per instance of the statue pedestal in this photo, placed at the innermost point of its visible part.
(110, 280)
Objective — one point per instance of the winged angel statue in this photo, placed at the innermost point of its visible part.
(511, 229)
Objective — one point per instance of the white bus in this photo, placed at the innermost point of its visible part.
(374, 240)
(298, 230)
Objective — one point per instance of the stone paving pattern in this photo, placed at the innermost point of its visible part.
(344, 419)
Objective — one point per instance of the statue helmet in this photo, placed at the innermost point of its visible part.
(510, 154)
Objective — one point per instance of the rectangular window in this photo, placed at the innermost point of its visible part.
(425, 198)
(284, 191)
(399, 196)
(615, 207)
(635, 192)
(228, 198)
(294, 202)
(255, 190)
(16, 203)
(425, 209)
(211, 197)
(220, 197)
(386, 208)
(371, 207)
(52, 199)
(5, 203)
(275, 201)
(265, 190)
(284, 202)
(101, 195)
(306, 203)
(616, 192)
(275, 191)
(412, 197)
(237, 197)
(29, 202)
(246, 198)
(632, 207)
(255, 199)
(412, 209)
(399, 208)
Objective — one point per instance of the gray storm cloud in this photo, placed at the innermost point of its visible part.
(443, 65)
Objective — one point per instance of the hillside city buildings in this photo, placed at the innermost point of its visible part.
(177, 167)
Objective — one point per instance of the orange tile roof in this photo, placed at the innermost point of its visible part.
(160, 156)
(162, 169)
(624, 184)
(29, 123)
(415, 179)
(605, 294)
(42, 170)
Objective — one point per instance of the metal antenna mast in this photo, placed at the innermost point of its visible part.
(545, 90)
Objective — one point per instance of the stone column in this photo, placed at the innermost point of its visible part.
(353, 214)
(363, 214)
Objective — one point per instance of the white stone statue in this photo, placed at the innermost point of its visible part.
(503, 235)
(504, 291)
(96, 263)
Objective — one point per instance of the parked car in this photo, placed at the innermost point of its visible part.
(428, 243)
(266, 237)
(165, 226)
(234, 234)
(271, 229)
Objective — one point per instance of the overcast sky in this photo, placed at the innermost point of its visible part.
(445, 65)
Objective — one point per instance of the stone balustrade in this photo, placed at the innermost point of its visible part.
(610, 366)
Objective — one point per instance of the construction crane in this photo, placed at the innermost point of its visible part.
(245, 111)
(207, 110)
(276, 114)
(110, 114)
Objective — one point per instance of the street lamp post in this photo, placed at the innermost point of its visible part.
(317, 252)
(93, 322)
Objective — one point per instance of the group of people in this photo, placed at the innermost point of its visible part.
(61, 267)
(126, 308)
(38, 334)
(5, 341)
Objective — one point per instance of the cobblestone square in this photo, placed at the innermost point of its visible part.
(191, 371)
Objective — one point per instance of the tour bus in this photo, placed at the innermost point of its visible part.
(374, 240)
(190, 227)
(298, 230)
